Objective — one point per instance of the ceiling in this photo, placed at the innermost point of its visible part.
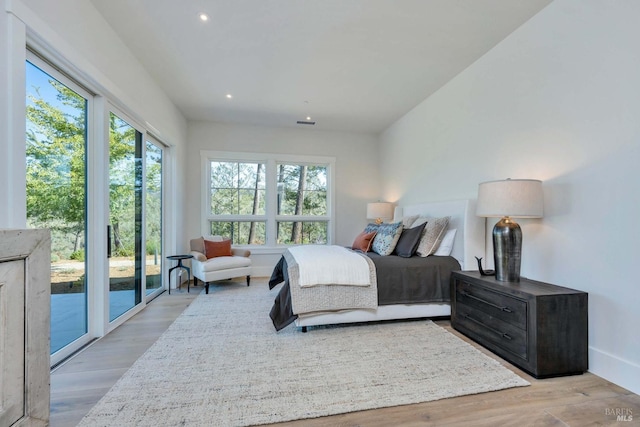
(350, 65)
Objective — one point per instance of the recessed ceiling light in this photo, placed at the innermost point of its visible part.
(229, 96)
(308, 118)
(204, 17)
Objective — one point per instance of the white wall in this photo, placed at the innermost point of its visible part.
(356, 172)
(558, 100)
(12, 126)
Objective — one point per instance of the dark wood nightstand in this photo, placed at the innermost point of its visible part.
(539, 327)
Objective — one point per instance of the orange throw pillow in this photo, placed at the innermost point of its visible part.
(216, 249)
(363, 241)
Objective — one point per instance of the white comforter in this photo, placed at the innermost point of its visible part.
(345, 267)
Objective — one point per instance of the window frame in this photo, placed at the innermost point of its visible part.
(271, 217)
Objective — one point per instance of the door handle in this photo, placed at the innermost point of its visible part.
(108, 241)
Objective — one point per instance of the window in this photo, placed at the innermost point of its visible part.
(302, 193)
(259, 199)
(237, 201)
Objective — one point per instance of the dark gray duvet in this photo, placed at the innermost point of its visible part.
(414, 280)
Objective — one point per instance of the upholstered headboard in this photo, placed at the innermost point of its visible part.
(470, 235)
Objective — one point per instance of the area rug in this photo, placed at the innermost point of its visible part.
(221, 363)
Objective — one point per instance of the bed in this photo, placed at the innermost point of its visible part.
(469, 242)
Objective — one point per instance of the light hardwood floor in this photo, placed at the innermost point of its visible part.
(582, 400)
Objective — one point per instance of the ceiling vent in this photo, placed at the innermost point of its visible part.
(305, 122)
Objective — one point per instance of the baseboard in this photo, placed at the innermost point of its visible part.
(612, 368)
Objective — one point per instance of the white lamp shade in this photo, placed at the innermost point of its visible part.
(382, 210)
(517, 198)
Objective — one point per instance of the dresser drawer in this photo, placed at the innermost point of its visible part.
(492, 330)
(504, 307)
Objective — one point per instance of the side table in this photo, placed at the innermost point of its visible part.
(179, 258)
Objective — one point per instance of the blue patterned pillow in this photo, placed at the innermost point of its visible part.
(387, 238)
(371, 227)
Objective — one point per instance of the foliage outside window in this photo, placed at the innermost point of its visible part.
(302, 191)
(125, 185)
(264, 200)
(302, 232)
(238, 188)
(55, 156)
(241, 232)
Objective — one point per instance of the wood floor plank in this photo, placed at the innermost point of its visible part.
(580, 400)
(65, 382)
(602, 412)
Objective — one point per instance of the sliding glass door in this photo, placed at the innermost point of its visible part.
(56, 146)
(153, 215)
(80, 194)
(125, 216)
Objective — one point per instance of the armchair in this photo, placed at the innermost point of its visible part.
(218, 268)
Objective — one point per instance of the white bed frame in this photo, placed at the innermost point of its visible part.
(469, 243)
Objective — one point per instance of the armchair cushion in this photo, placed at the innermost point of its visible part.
(225, 263)
(217, 249)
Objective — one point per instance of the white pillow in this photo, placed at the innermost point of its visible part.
(446, 246)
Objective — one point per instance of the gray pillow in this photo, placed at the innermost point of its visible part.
(409, 240)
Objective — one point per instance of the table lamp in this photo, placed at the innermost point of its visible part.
(379, 211)
(508, 199)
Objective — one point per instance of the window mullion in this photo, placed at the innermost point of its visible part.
(271, 178)
(234, 218)
(312, 218)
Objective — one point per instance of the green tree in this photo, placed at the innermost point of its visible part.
(302, 191)
(56, 167)
(153, 202)
(256, 205)
(124, 184)
(55, 156)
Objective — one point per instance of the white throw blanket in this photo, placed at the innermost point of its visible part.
(330, 265)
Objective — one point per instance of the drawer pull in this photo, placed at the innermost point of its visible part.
(495, 331)
(505, 308)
